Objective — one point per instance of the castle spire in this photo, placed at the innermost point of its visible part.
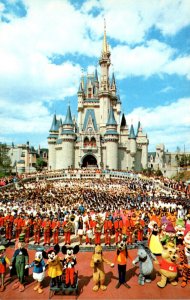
(68, 118)
(105, 45)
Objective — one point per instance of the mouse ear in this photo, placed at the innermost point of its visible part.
(44, 254)
(57, 248)
(64, 250)
(76, 249)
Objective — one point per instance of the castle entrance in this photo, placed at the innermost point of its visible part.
(89, 161)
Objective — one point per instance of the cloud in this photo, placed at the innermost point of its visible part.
(152, 58)
(169, 124)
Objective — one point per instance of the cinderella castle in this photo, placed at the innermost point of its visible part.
(101, 137)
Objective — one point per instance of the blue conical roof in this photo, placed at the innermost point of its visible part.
(55, 124)
(138, 126)
(111, 118)
(96, 75)
(113, 79)
(68, 118)
(132, 132)
(80, 90)
(123, 121)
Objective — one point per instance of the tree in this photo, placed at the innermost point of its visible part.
(40, 164)
(5, 161)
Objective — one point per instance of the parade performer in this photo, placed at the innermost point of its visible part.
(54, 265)
(8, 223)
(121, 258)
(89, 226)
(108, 225)
(184, 257)
(55, 226)
(67, 229)
(38, 266)
(98, 225)
(168, 265)
(26, 227)
(97, 264)
(118, 227)
(129, 224)
(37, 224)
(46, 225)
(19, 264)
(69, 263)
(3, 261)
(154, 242)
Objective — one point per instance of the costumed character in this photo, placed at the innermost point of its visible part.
(180, 229)
(145, 259)
(184, 257)
(3, 261)
(168, 265)
(97, 263)
(54, 265)
(154, 243)
(121, 259)
(38, 266)
(19, 264)
(170, 234)
(69, 263)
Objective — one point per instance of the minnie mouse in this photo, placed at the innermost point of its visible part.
(54, 265)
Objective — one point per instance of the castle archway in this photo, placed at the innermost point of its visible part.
(89, 161)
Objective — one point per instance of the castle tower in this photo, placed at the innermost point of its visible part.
(142, 142)
(53, 135)
(133, 146)
(111, 139)
(65, 150)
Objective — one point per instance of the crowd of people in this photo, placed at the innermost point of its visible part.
(90, 211)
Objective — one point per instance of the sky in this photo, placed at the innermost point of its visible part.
(45, 45)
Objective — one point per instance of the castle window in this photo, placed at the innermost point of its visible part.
(93, 142)
(89, 93)
(86, 142)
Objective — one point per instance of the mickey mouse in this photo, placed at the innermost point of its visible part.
(69, 262)
(54, 265)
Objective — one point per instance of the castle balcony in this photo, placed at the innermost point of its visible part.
(89, 148)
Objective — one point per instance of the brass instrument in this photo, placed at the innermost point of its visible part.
(72, 218)
(68, 226)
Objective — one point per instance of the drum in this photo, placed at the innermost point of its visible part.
(80, 232)
(89, 233)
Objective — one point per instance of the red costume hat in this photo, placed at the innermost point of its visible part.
(170, 228)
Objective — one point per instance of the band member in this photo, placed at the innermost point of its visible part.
(138, 229)
(8, 224)
(118, 226)
(80, 229)
(107, 230)
(55, 225)
(27, 223)
(46, 225)
(98, 225)
(129, 229)
(37, 223)
(18, 224)
(67, 228)
(89, 226)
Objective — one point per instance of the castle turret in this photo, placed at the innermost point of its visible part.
(133, 146)
(111, 139)
(52, 138)
(65, 143)
(141, 139)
